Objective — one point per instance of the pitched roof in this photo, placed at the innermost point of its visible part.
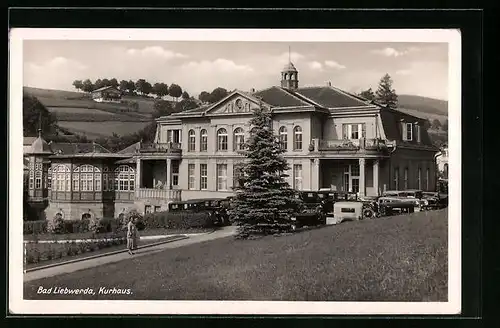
(28, 141)
(281, 97)
(330, 97)
(105, 88)
(391, 120)
(132, 149)
(67, 148)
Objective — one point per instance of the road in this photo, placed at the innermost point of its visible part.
(90, 263)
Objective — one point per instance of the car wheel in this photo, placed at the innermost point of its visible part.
(368, 213)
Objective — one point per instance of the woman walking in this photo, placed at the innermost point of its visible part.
(131, 236)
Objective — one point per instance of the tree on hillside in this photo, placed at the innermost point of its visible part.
(385, 94)
(106, 83)
(78, 84)
(98, 84)
(123, 86)
(36, 116)
(139, 85)
(185, 104)
(113, 83)
(218, 94)
(185, 95)
(175, 91)
(445, 126)
(204, 97)
(131, 87)
(88, 86)
(367, 94)
(436, 124)
(160, 89)
(162, 108)
(264, 202)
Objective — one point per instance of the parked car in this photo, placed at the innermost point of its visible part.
(435, 200)
(216, 208)
(412, 196)
(348, 210)
(312, 212)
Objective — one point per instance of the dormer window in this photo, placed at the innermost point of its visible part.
(409, 131)
(353, 131)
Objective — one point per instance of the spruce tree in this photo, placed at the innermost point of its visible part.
(264, 201)
(385, 94)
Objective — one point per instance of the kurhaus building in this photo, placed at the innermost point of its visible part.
(333, 140)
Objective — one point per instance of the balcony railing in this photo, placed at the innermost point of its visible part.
(170, 194)
(353, 144)
(171, 147)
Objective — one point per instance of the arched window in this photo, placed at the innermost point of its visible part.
(191, 140)
(297, 138)
(61, 178)
(222, 139)
(203, 140)
(283, 137)
(239, 139)
(124, 178)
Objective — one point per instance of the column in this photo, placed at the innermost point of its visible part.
(169, 174)
(315, 183)
(362, 190)
(138, 175)
(376, 176)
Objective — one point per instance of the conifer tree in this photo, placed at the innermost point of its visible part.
(385, 94)
(264, 201)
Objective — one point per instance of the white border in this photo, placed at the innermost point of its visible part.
(20, 306)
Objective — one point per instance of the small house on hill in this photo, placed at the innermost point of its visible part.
(107, 94)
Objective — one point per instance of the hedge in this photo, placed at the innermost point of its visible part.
(177, 220)
(30, 227)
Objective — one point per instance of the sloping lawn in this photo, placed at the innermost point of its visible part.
(400, 258)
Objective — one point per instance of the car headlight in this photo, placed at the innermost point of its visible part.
(425, 202)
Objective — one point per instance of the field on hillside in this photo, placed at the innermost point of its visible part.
(78, 110)
(102, 129)
(400, 258)
(424, 115)
(424, 104)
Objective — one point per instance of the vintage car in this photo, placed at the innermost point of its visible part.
(435, 200)
(412, 196)
(312, 211)
(348, 210)
(216, 208)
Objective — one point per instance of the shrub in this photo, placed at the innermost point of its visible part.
(35, 227)
(56, 225)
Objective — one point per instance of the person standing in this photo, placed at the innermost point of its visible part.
(131, 236)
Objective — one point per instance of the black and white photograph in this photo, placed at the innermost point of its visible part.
(235, 171)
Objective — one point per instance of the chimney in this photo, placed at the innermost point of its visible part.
(328, 84)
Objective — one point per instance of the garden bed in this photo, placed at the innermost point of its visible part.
(56, 253)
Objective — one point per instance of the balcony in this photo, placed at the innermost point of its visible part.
(150, 193)
(161, 148)
(353, 144)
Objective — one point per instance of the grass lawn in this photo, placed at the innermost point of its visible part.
(400, 258)
(60, 247)
(89, 235)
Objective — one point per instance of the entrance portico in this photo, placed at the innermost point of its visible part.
(359, 175)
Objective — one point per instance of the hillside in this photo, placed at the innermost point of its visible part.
(79, 114)
(424, 104)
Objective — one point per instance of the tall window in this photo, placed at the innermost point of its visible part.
(76, 179)
(409, 131)
(354, 131)
(418, 133)
(105, 182)
(427, 178)
(61, 175)
(203, 140)
(239, 139)
(396, 179)
(124, 178)
(237, 174)
(283, 137)
(203, 176)
(222, 139)
(97, 181)
(445, 171)
(191, 176)
(297, 176)
(175, 173)
(406, 178)
(419, 178)
(297, 138)
(191, 140)
(38, 179)
(222, 177)
(87, 180)
(49, 178)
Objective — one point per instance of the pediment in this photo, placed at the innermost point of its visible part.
(235, 103)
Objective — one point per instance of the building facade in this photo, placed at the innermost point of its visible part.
(333, 140)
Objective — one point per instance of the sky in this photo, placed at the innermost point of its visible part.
(416, 68)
